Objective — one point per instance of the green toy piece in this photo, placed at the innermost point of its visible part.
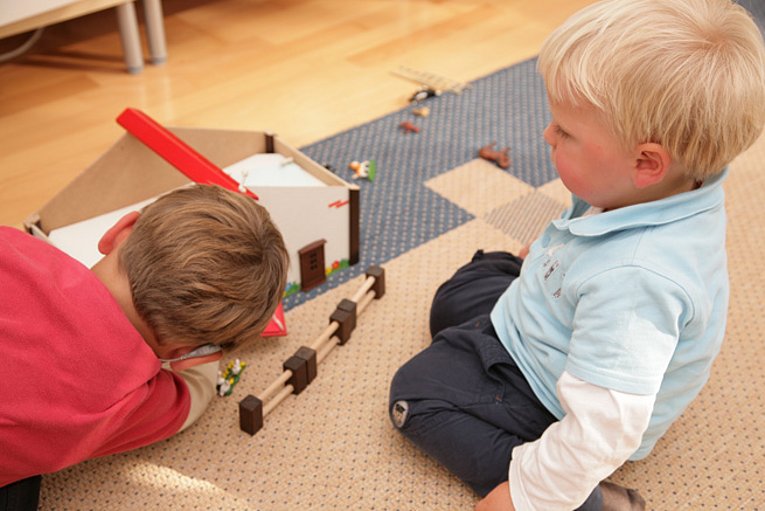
(228, 379)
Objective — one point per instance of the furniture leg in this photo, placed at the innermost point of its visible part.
(131, 42)
(155, 31)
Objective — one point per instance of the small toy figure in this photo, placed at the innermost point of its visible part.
(500, 157)
(424, 93)
(223, 387)
(408, 127)
(422, 111)
(230, 377)
(366, 169)
(245, 174)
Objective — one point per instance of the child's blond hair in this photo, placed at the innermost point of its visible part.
(205, 265)
(687, 74)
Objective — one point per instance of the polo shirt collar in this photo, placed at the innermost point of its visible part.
(663, 211)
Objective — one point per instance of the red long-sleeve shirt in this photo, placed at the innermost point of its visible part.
(77, 380)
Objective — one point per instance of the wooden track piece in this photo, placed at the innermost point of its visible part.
(346, 322)
(250, 414)
(379, 275)
(309, 355)
(299, 378)
(350, 307)
(301, 369)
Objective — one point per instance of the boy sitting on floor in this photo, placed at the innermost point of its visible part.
(82, 349)
(552, 374)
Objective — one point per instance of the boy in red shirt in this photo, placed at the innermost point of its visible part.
(83, 349)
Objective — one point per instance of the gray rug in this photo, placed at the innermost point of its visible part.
(398, 213)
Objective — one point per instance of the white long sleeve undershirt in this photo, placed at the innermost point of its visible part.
(200, 380)
(599, 432)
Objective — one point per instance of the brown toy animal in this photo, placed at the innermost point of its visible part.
(500, 157)
(408, 127)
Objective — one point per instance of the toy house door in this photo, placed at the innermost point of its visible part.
(312, 271)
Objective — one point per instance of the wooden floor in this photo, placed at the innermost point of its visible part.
(304, 69)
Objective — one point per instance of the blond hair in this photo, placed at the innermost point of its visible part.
(687, 74)
(205, 265)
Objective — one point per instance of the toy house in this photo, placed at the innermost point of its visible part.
(316, 211)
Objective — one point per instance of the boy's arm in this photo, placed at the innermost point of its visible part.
(599, 432)
(200, 380)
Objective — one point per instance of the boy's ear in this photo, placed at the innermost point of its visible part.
(118, 233)
(651, 165)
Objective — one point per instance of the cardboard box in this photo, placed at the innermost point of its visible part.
(130, 172)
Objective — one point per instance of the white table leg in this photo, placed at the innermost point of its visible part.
(131, 42)
(155, 30)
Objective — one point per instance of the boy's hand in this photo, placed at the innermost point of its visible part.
(497, 500)
(522, 253)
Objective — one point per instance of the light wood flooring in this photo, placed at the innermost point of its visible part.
(304, 69)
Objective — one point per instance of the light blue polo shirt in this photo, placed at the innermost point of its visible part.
(633, 300)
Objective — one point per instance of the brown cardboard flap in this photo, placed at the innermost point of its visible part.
(318, 171)
(130, 172)
(223, 147)
(127, 173)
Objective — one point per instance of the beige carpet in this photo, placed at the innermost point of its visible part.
(332, 447)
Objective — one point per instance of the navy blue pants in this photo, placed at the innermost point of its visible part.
(463, 399)
(22, 495)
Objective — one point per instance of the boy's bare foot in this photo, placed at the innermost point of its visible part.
(618, 498)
